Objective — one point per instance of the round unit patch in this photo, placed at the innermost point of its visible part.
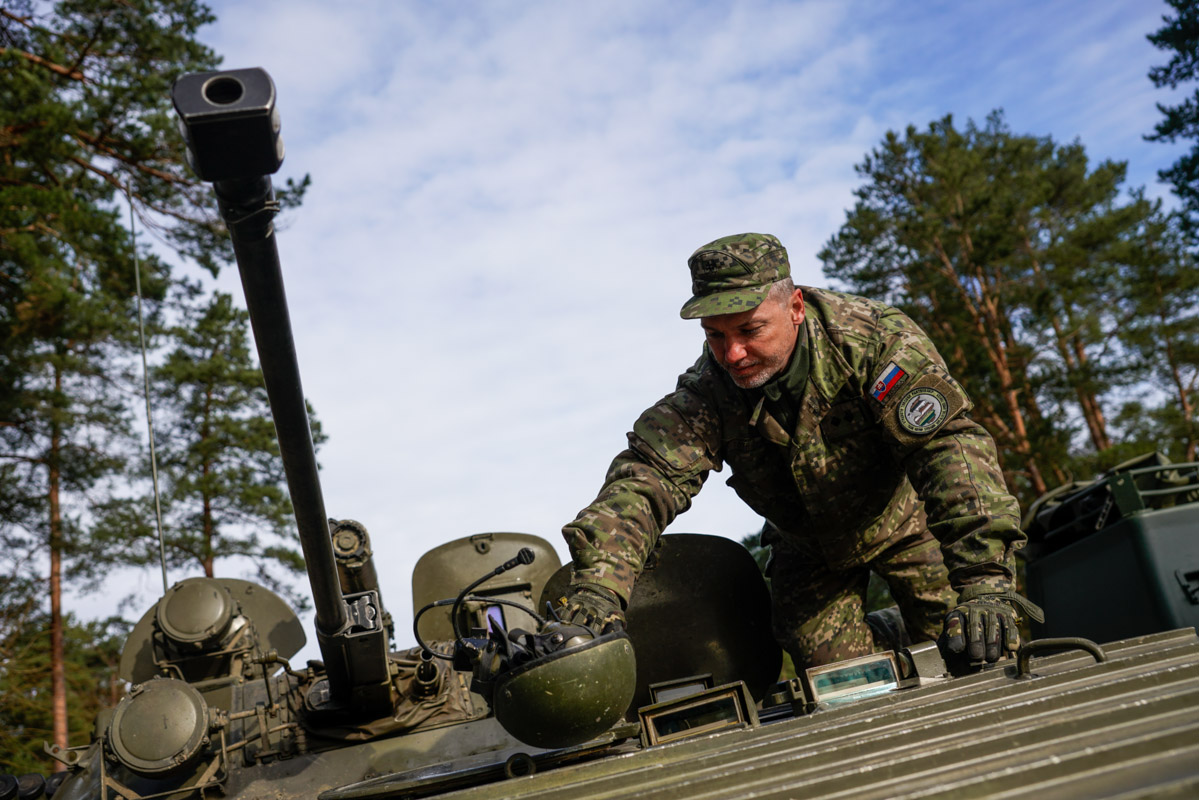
(922, 411)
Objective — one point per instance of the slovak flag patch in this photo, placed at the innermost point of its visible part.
(887, 380)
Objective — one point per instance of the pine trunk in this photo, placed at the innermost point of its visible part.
(58, 670)
(1184, 390)
(982, 309)
(1074, 358)
(1184, 401)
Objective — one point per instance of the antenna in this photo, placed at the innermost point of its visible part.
(141, 332)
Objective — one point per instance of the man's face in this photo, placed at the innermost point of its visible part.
(754, 346)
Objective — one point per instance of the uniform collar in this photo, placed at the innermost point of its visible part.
(804, 392)
(816, 362)
(828, 370)
(789, 383)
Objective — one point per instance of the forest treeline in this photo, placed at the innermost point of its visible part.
(1063, 298)
(95, 201)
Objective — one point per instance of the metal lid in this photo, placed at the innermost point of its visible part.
(196, 613)
(160, 727)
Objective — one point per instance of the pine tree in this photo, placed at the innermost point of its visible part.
(84, 120)
(91, 657)
(67, 426)
(1007, 250)
(224, 494)
(1180, 36)
(1159, 304)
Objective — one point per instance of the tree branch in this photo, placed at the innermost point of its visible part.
(58, 69)
(101, 147)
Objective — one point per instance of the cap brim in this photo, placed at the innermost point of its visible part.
(731, 302)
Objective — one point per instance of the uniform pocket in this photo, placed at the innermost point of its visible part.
(846, 419)
(762, 478)
(852, 476)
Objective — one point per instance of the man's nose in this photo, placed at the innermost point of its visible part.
(735, 351)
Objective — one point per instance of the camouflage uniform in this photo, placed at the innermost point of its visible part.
(857, 455)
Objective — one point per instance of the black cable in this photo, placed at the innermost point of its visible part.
(525, 556)
(476, 598)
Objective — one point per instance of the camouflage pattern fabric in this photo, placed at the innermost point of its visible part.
(734, 273)
(819, 614)
(876, 417)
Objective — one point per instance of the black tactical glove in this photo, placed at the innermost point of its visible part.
(984, 623)
(592, 607)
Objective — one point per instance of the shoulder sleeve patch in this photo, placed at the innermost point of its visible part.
(923, 407)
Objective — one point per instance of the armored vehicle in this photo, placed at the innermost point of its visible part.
(501, 699)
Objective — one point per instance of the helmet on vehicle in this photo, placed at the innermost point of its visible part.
(569, 696)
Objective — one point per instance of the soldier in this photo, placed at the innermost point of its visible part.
(843, 429)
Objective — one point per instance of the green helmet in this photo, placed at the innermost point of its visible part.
(570, 696)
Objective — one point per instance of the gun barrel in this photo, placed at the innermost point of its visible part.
(232, 131)
(262, 280)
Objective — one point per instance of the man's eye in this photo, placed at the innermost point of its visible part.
(713, 334)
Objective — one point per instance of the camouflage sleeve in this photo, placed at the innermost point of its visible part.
(949, 458)
(672, 447)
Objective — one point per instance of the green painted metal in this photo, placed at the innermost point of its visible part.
(1119, 557)
(1078, 730)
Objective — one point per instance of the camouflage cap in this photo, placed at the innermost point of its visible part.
(734, 274)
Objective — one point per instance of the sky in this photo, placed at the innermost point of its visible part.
(485, 277)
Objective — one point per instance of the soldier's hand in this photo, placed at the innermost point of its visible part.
(984, 624)
(592, 607)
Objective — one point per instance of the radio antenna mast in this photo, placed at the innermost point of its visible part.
(141, 332)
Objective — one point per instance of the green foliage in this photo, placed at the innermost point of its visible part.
(1013, 253)
(753, 543)
(84, 118)
(222, 483)
(92, 654)
(219, 451)
(1162, 289)
(1159, 303)
(86, 133)
(1180, 37)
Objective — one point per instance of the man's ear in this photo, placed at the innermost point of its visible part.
(797, 308)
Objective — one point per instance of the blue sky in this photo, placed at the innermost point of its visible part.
(485, 278)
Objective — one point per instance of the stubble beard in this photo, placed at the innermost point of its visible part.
(765, 370)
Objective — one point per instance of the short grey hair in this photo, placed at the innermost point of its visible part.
(781, 291)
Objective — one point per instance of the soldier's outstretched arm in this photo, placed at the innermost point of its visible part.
(672, 447)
